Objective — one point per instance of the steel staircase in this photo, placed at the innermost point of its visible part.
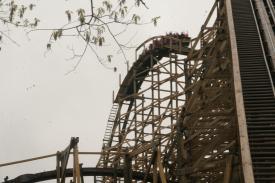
(110, 123)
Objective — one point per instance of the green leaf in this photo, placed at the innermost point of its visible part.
(81, 15)
(22, 11)
(81, 19)
(101, 40)
(69, 15)
(26, 22)
(80, 12)
(95, 39)
(100, 30)
(109, 58)
(100, 11)
(108, 5)
(54, 34)
(115, 16)
(57, 34)
(137, 3)
(122, 12)
(13, 9)
(122, 2)
(31, 6)
(49, 46)
(36, 21)
(125, 9)
(155, 20)
(135, 18)
(87, 36)
(60, 32)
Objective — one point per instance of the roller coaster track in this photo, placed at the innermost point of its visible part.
(200, 110)
(258, 91)
(88, 171)
(149, 101)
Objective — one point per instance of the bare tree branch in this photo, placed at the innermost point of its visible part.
(9, 38)
(79, 60)
(144, 4)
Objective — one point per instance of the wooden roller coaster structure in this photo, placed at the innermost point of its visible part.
(197, 110)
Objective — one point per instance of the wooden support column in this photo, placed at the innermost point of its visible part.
(155, 172)
(228, 169)
(81, 173)
(161, 169)
(127, 168)
(180, 148)
(76, 171)
(58, 174)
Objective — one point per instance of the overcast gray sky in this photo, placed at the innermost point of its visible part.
(41, 107)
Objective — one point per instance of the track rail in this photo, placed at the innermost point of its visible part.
(258, 91)
(88, 171)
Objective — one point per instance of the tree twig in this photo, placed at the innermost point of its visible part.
(79, 60)
(144, 4)
(9, 38)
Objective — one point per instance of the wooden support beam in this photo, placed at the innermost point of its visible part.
(76, 167)
(228, 169)
(161, 169)
(127, 168)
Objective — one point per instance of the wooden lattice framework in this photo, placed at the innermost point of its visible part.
(178, 122)
(207, 144)
(149, 102)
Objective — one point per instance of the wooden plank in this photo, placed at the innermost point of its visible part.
(76, 168)
(228, 169)
(155, 172)
(161, 169)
